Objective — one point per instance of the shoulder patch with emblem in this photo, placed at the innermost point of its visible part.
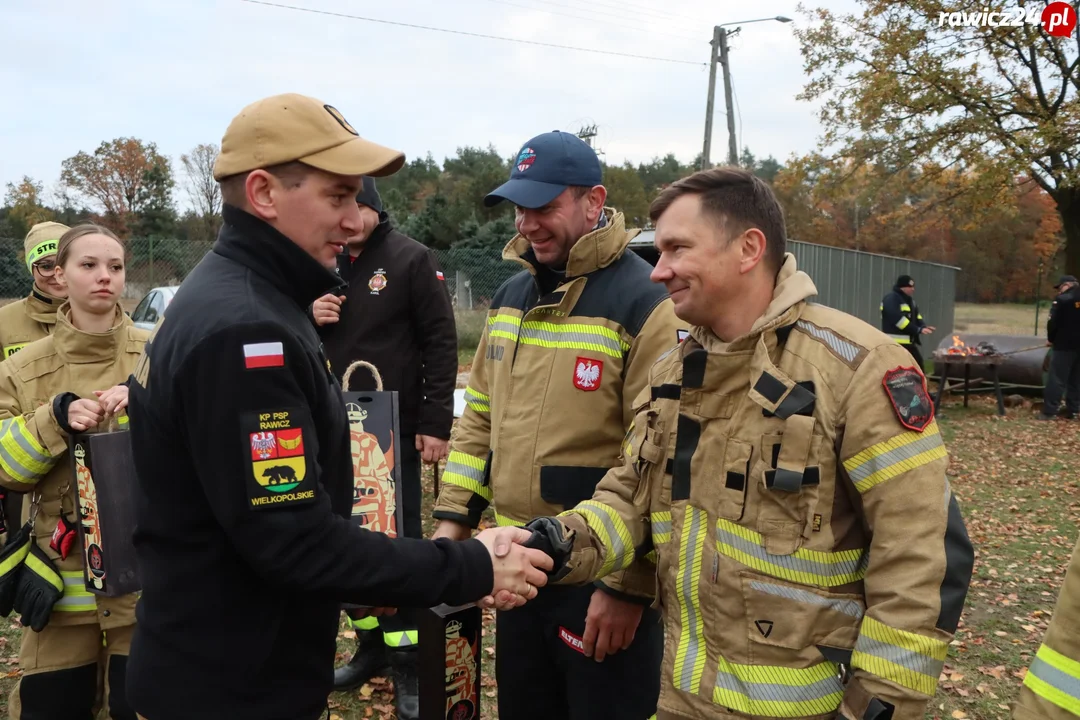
(907, 391)
(681, 335)
(276, 454)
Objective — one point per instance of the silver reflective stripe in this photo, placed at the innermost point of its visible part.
(892, 457)
(1055, 678)
(661, 527)
(465, 471)
(691, 574)
(848, 607)
(505, 327)
(838, 344)
(776, 692)
(823, 570)
(616, 555)
(16, 469)
(576, 339)
(28, 448)
(913, 661)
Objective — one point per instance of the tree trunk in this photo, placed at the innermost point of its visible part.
(1068, 205)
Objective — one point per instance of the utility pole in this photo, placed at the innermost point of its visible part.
(705, 152)
(733, 151)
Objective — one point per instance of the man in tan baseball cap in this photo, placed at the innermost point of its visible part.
(240, 442)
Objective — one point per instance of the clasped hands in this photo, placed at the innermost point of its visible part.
(84, 414)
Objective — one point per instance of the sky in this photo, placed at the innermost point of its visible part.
(76, 74)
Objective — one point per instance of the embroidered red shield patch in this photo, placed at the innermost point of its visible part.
(587, 373)
(906, 388)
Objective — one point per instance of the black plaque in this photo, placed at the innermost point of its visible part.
(450, 650)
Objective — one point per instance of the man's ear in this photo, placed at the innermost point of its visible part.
(259, 187)
(597, 196)
(751, 249)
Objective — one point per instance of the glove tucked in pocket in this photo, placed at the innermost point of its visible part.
(12, 558)
(39, 587)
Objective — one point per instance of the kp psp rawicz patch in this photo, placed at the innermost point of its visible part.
(906, 388)
(279, 473)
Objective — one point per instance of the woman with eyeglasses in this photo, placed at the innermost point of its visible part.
(29, 319)
(75, 644)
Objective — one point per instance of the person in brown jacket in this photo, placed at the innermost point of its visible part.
(785, 466)
(74, 644)
(1051, 689)
(29, 319)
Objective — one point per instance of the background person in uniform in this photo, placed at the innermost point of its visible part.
(1063, 335)
(29, 319)
(241, 446)
(901, 319)
(395, 313)
(75, 645)
(569, 344)
(785, 464)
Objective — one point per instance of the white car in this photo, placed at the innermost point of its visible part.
(152, 306)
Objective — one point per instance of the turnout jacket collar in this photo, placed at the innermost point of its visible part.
(593, 251)
(253, 243)
(79, 346)
(793, 288)
(41, 306)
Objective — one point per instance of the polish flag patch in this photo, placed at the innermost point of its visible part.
(264, 355)
(440, 276)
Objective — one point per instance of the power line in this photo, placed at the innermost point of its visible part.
(607, 23)
(472, 34)
(738, 113)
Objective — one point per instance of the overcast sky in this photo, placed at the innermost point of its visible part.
(76, 73)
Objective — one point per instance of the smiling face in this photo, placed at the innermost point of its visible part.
(44, 271)
(552, 230)
(93, 273)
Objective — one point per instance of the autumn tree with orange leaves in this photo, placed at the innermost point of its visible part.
(901, 88)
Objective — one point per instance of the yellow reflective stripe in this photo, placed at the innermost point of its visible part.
(919, 316)
(576, 336)
(808, 567)
(365, 623)
(903, 322)
(503, 521)
(1055, 678)
(628, 441)
(778, 691)
(661, 527)
(895, 456)
(690, 654)
(606, 523)
(76, 597)
(403, 638)
(478, 401)
(467, 471)
(48, 574)
(504, 326)
(905, 658)
(22, 457)
(652, 557)
(15, 559)
(904, 307)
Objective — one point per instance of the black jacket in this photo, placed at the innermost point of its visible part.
(397, 315)
(241, 448)
(900, 316)
(1063, 325)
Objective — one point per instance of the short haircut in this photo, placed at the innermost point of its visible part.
(63, 246)
(738, 200)
(292, 174)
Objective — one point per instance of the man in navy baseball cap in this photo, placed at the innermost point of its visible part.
(545, 167)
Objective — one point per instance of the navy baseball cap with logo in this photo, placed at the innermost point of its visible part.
(545, 167)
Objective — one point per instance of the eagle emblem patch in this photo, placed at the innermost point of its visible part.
(588, 373)
(277, 459)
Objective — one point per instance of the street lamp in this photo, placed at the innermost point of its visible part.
(720, 54)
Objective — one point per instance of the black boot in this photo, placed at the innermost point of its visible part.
(405, 668)
(368, 661)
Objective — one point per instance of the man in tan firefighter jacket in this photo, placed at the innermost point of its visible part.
(1052, 685)
(786, 467)
(568, 345)
(29, 319)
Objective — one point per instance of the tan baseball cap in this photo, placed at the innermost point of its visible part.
(290, 127)
(42, 241)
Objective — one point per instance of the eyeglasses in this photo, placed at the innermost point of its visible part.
(47, 268)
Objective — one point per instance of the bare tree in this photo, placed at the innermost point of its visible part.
(201, 186)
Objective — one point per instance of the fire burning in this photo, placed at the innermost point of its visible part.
(962, 349)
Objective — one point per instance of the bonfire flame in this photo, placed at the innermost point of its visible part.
(962, 349)
(958, 347)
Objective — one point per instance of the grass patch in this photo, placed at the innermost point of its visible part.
(1000, 319)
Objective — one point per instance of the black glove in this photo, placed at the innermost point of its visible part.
(40, 587)
(11, 561)
(547, 535)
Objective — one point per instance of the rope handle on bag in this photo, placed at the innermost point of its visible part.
(364, 364)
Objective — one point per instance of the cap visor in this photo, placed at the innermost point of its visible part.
(357, 157)
(524, 193)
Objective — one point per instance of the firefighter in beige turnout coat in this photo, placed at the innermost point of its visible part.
(791, 479)
(76, 662)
